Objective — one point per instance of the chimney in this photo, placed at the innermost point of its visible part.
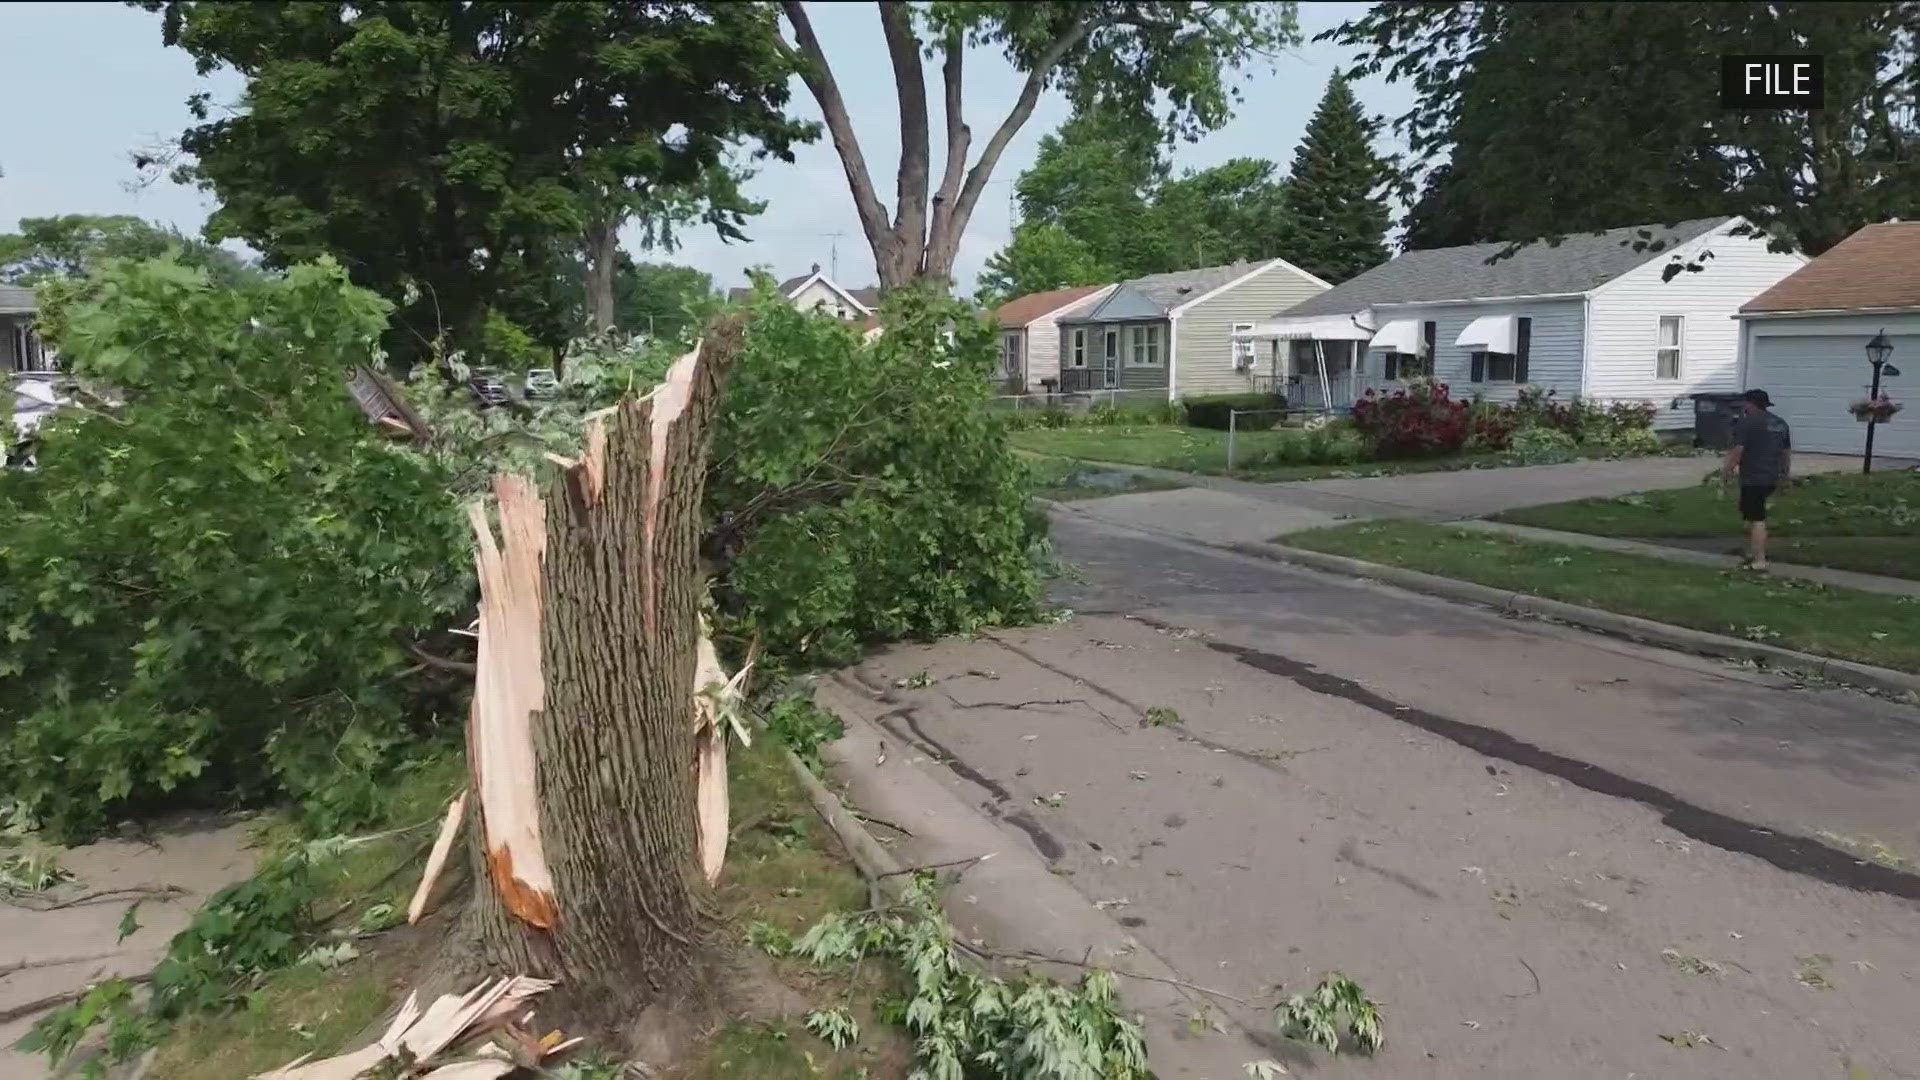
(816, 268)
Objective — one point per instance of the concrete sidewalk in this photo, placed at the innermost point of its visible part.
(1842, 579)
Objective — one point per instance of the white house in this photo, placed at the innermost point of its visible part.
(1639, 313)
(815, 291)
(1029, 335)
(1804, 341)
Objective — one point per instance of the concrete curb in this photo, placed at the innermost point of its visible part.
(1035, 910)
(883, 872)
(1865, 676)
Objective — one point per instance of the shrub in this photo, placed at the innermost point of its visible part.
(1214, 411)
(868, 493)
(1490, 425)
(857, 491)
(1421, 421)
(219, 567)
(1333, 444)
(1543, 446)
(1631, 442)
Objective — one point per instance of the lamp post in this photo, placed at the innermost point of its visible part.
(1877, 352)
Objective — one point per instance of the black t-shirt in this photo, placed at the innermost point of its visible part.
(1764, 438)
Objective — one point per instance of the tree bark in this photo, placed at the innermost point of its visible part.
(613, 733)
(603, 251)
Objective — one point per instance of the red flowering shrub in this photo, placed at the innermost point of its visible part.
(1421, 421)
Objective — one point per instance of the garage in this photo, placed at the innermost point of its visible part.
(1804, 341)
(1812, 378)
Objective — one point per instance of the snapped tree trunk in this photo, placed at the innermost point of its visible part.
(603, 250)
(586, 858)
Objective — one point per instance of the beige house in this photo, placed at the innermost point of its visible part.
(1030, 336)
(1175, 333)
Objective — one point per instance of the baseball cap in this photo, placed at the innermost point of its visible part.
(1759, 397)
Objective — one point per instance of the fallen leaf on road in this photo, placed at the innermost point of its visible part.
(1028, 738)
(1601, 908)
(1109, 905)
(1863, 965)
(1474, 1024)
(1138, 774)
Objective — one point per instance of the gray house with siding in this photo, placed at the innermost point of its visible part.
(1175, 333)
(1611, 316)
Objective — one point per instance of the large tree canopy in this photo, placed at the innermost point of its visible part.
(1100, 204)
(75, 245)
(439, 150)
(1559, 118)
(1175, 59)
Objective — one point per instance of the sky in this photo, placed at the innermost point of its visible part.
(102, 85)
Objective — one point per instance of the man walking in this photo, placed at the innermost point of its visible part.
(1761, 455)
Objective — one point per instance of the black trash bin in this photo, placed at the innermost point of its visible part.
(1714, 416)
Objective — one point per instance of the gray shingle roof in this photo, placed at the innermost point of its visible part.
(1172, 290)
(1577, 264)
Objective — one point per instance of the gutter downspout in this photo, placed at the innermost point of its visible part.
(1173, 366)
(1586, 345)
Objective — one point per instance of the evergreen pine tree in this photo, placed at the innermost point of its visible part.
(1336, 196)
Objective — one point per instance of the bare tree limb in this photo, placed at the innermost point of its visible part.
(818, 76)
(910, 86)
(439, 662)
(959, 141)
(996, 145)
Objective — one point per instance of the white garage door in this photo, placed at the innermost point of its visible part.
(1812, 380)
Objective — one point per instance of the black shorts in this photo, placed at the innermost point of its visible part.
(1753, 501)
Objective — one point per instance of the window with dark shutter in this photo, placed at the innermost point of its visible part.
(1391, 370)
(1523, 345)
(1478, 371)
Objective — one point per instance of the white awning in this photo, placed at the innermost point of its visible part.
(1401, 336)
(1310, 328)
(1489, 333)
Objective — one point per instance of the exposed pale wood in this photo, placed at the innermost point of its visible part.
(615, 742)
(437, 858)
(710, 767)
(451, 1019)
(508, 697)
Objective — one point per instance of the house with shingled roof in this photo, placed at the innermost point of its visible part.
(1643, 313)
(1167, 336)
(815, 291)
(1804, 341)
(1030, 337)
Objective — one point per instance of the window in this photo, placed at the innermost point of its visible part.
(1010, 354)
(1505, 367)
(1666, 364)
(1243, 347)
(1079, 355)
(1146, 346)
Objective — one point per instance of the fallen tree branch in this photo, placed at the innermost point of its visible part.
(28, 1008)
(1030, 956)
(1536, 979)
(145, 892)
(965, 864)
(439, 662)
(869, 818)
(53, 961)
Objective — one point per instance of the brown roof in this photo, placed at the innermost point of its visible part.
(1021, 311)
(1874, 268)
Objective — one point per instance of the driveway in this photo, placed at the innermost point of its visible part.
(1546, 852)
(1480, 492)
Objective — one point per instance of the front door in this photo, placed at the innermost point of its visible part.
(1110, 361)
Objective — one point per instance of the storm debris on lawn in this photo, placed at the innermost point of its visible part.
(479, 1035)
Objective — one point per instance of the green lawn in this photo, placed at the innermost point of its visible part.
(1870, 628)
(1852, 521)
